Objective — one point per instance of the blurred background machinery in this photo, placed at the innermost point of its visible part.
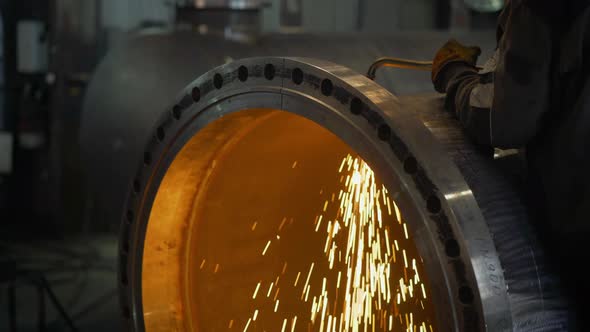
(83, 83)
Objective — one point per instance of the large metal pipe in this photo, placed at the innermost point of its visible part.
(217, 190)
(218, 158)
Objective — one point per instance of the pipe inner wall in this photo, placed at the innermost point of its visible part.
(256, 224)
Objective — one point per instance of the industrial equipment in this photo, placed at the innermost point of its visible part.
(24, 111)
(291, 194)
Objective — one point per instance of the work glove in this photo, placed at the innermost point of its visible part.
(452, 53)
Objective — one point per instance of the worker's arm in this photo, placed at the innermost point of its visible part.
(503, 104)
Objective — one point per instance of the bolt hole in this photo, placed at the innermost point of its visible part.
(384, 132)
(218, 81)
(465, 295)
(243, 73)
(356, 105)
(452, 248)
(160, 133)
(196, 93)
(433, 204)
(129, 216)
(411, 165)
(136, 186)
(269, 71)
(327, 87)
(297, 76)
(176, 112)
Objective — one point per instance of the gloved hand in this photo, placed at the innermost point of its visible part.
(451, 53)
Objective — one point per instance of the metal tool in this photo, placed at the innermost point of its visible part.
(397, 63)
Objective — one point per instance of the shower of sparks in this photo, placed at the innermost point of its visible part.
(378, 285)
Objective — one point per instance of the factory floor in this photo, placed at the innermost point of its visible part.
(80, 271)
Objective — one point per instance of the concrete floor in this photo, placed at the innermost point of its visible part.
(81, 272)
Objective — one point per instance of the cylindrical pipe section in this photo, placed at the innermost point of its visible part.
(296, 194)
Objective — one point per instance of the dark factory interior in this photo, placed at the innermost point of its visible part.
(294, 165)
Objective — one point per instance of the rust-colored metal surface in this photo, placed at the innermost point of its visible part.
(257, 228)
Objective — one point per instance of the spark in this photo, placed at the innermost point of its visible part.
(266, 248)
(282, 223)
(256, 290)
(361, 286)
(297, 279)
(342, 165)
(247, 324)
(319, 222)
(308, 276)
(397, 214)
(406, 232)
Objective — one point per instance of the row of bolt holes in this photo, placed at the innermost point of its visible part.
(383, 132)
(269, 74)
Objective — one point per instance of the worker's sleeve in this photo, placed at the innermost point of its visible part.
(470, 94)
(503, 104)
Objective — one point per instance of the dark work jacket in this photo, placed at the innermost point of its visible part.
(534, 93)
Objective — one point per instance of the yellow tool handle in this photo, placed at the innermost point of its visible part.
(398, 63)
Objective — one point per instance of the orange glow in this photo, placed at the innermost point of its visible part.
(249, 232)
